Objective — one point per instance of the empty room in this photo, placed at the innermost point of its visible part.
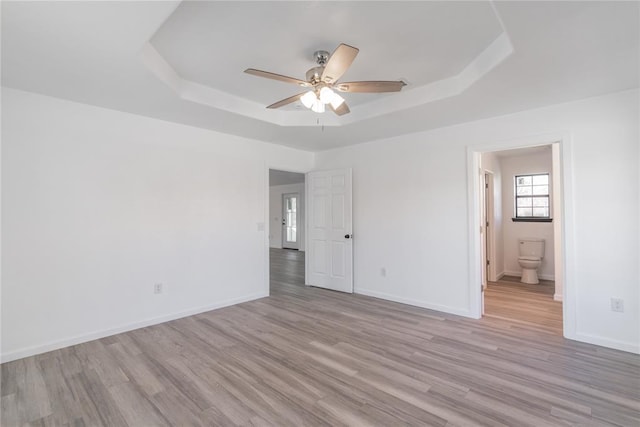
(315, 213)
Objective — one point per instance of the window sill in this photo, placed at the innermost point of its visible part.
(531, 219)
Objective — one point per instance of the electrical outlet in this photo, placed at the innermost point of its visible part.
(383, 272)
(157, 288)
(617, 304)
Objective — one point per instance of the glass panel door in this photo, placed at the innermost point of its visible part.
(290, 221)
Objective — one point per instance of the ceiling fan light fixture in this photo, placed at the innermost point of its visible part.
(323, 82)
(326, 95)
(336, 101)
(318, 106)
(308, 99)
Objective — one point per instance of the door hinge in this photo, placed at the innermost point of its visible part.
(488, 262)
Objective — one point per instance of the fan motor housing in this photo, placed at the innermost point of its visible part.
(321, 57)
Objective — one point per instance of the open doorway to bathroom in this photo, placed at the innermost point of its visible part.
(286, 230)
(520, 211)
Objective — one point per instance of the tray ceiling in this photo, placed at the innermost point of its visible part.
(211, 43)
(183, 61)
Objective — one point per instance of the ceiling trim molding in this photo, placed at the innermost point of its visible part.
(206, 95)
(495, 53)
(499, 50)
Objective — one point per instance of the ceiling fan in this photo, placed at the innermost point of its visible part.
(322, 82)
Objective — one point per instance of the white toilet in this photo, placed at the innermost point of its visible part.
(531, 251)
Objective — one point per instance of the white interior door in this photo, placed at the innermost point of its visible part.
(290, 220)
(329, 260)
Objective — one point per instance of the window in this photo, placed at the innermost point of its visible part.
(532, 197)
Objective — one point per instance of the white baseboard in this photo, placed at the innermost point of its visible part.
(417, 303)
(500, 276)
(79, 339)
(607, 342)
(557, 297)
(519, 274)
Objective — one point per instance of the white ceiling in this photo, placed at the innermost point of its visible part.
(183, 62)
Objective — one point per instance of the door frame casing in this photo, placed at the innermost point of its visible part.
(567, 271)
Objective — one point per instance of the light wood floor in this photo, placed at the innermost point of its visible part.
(287, 267)
(527, 305)
(308, 356)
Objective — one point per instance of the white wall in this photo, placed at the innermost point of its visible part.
(491, 163)
(99, 205)
(519, 165)
(275, 211)
(411, 211)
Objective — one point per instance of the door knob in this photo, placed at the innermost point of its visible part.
(347, 236)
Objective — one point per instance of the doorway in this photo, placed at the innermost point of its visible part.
(505, 293)
(488, 237)
(286, 230)
(321, 203)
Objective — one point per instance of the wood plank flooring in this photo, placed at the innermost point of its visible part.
(531, 305)
(287, 267)
(308, 356)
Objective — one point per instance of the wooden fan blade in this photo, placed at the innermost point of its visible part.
(286, 101)
(341, 110)
(339, 61)
(274, 76)
(370, 87)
